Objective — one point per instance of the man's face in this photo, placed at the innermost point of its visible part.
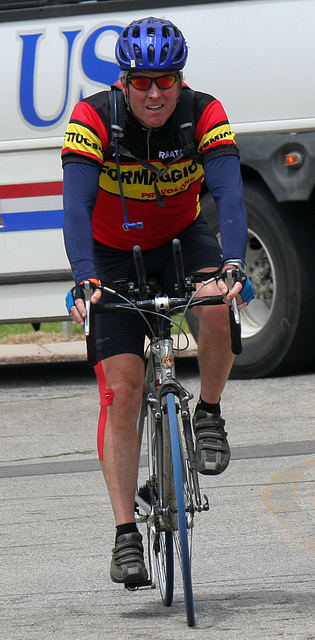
(152, 106)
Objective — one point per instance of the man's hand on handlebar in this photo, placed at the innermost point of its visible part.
(241, 287)
(75, 301)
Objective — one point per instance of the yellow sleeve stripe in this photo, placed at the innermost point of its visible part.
(81, 139)
(217, 135)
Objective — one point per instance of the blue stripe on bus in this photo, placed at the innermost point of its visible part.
(31, 220)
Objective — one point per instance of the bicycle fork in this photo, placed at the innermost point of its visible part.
(165, 368)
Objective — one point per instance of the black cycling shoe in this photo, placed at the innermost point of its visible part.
(212, 448)
(127, 564)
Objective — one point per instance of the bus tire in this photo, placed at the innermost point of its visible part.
(277, 325)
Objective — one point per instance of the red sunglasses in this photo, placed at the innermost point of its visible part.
(143, 83)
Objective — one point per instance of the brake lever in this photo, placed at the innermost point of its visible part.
(87, 294)
(230, 283)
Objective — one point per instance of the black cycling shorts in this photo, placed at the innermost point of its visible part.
(123, 332)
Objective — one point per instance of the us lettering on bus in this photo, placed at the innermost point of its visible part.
(92, 67)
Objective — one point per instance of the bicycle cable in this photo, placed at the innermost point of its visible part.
(156, 313)
(134, 306)
(187, 306)
(143, 314)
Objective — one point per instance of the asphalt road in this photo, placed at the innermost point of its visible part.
(254, 551)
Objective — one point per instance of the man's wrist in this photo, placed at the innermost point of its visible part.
(93, 280)
(236, 262)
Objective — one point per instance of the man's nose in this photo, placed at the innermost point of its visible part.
(154, 90)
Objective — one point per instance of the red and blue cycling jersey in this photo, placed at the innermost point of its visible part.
(86, 142)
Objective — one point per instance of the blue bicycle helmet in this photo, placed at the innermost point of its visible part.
(151, 44)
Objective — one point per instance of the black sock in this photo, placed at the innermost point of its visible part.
(209, 408)
(129, 527)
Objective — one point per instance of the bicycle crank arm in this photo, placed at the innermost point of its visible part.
(145, 506)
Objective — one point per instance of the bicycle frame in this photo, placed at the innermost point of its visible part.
(161, 364)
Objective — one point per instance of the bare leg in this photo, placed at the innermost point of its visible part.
(214, 347)
(214, 353)
(215, 361)
(124, 375)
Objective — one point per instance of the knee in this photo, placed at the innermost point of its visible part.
(126, 388)
(123, 376)
(214, 320)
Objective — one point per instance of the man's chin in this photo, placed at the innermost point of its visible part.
(155, 121)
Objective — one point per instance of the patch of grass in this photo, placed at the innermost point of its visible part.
(45, 327)
(184, 325)
(52, 331)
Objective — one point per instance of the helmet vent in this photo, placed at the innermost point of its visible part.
(136, 32)
(151, 53)
(138, 54)
(164, 53)
(126, 43)
(179, 53)
(165, 32)
(151, 32)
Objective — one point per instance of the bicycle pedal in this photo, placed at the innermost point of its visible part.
(146, 584)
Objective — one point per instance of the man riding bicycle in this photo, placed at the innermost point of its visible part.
(162, 202)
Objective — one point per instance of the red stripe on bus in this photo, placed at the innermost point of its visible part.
(31, 190)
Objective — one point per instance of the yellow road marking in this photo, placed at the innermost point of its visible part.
(290, 498)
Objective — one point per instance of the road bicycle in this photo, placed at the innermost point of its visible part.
(170, 498)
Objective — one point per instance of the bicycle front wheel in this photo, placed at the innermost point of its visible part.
(182, 512)
(160, 538)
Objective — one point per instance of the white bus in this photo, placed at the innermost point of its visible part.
(257, 57)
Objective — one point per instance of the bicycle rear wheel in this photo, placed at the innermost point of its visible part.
(160, 537)
(182, 511)
(164, 559)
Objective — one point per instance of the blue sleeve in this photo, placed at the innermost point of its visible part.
(80, 189)
(224, 181)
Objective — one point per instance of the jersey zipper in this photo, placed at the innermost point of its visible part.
(148, 143)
